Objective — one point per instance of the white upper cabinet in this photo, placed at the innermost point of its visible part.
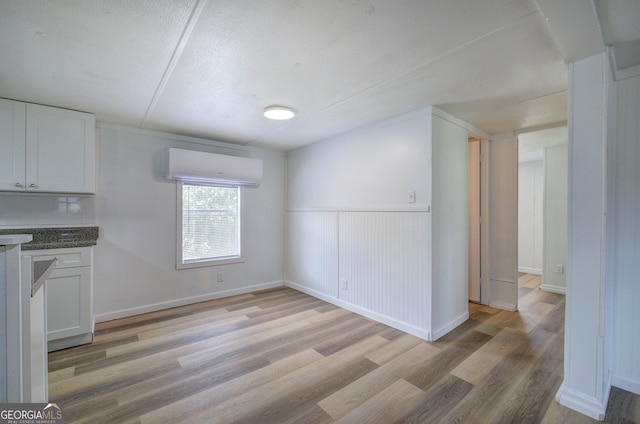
(55, 147)
(12, 145)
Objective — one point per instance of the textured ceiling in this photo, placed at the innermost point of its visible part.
(208, 68)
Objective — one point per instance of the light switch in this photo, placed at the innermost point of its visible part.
(412, 196)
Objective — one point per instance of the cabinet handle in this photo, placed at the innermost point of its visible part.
(32, 185)
(18, 185)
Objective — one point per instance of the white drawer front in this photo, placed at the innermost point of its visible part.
(66, 258)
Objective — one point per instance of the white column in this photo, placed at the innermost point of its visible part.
(10, 286)
(584, 387)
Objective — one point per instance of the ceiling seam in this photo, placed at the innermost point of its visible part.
(175, 57)
(510, 105)
(543, 127)
(389, 80)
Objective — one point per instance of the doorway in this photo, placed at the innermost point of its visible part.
(542, 208)
(478, 203)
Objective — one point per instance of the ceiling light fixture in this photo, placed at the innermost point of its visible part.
(279, 112)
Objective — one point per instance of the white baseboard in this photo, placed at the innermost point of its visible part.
(624, 383)
(69, 342)
(502, 305)
(123, 313)
(553, 289)
(582, 403)
(450, 325)
(528, 270)
(384, 319)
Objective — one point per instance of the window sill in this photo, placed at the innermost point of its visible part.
(202, 264)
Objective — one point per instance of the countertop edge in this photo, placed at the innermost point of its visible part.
(41, 271)
(11, 239)
(44, 238)
(62, 245)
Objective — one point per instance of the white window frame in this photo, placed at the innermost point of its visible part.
(206, 262)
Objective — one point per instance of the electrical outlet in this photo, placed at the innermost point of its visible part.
(559, 269)
(345, 284)
(220, 277)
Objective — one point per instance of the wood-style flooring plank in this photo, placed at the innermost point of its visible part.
(174, 412)
(150, 402)
(438, 400)
(480, 363)
(191, 323)
(447, 359)
(486, 399)
(241, 347)
(393, 350)
(281, 356)
(285, 395)
(559, 414)
(388, 406)
(320, 335)
(622, 406)
(341, 402)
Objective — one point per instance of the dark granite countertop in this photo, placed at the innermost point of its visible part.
(56, 237)
(40, 272)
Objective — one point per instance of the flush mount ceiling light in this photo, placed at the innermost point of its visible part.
(279, 112)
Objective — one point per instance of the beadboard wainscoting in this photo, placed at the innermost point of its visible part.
(623, 234)
(312, 244)
(384, 260)
(375, 263)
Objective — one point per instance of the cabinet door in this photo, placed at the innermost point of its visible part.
(60, 150)
(68, 302)
(12, 145)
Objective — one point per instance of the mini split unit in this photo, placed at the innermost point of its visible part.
(203, 167)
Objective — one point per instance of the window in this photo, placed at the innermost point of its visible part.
(209, 221)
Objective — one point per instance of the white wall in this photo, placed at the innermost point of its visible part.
(530, 216)
(355, 238)
(135, 257)
(450, 225)
(474, 188)
(584, 387)
(555, 218)
(623, 262)
(367, 169)
(503, 216)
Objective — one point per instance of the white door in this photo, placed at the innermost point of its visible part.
(474, 221)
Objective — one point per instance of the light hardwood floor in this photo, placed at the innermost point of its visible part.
(280, 356)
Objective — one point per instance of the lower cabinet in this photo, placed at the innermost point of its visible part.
(69, 296)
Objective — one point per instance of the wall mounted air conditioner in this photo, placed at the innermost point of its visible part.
(203, 167)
